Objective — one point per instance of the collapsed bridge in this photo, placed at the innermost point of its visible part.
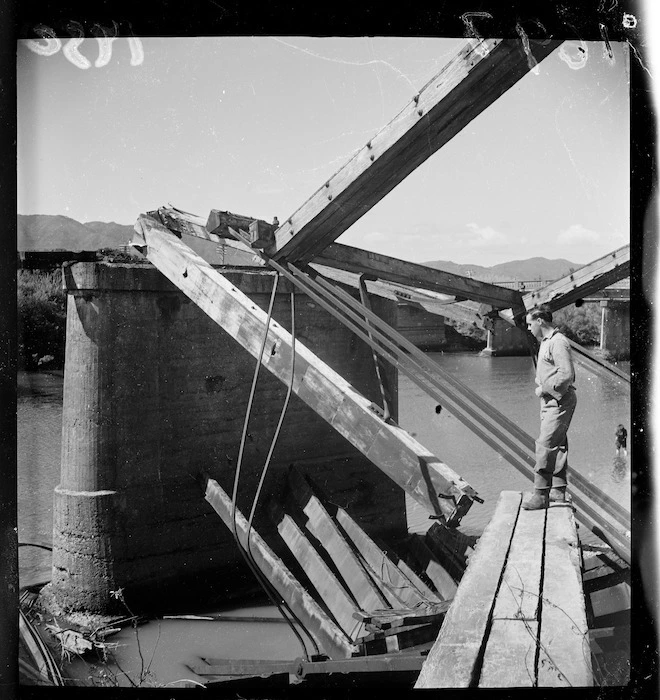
(347, 284)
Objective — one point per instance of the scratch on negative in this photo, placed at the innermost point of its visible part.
(639, 58)
(348, 63)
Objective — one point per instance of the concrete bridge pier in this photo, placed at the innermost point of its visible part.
(155, 393)
(615, 328)
(505, 339)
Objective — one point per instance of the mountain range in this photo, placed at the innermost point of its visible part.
(47, 232)
(43, 232)
(528, 269)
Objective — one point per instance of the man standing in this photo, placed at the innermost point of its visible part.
(555, 377)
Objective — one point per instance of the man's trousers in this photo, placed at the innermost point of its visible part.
(552, 443)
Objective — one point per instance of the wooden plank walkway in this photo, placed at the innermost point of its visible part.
(518, 618)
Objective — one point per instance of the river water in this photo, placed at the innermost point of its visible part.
(507, 382)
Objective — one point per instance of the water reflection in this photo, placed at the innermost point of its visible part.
(620, 467)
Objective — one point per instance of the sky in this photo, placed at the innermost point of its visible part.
(255, 125)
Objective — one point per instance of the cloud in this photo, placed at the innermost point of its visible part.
(577, 233)
(486, 237)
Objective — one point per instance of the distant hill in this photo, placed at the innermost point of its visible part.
(530, 269)
(49, 232)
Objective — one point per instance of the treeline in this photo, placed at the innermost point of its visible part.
(41, 312)
(580, 324)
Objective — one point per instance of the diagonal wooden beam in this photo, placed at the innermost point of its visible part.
(477, 76)
(587, 280)
(388, 446)
(391, 269)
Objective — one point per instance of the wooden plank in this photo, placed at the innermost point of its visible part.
(365, 592)
(392, 594)
(464, 88)
(454, 656)
(327, 532)
(510, 656)
(564, 658)
(329, 635)
(409, 588)
(332, 593)
(519, 594)
(323, 389)
(408, 274)
(443, 582)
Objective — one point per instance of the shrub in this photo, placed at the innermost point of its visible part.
(580, 324)
(41, 317)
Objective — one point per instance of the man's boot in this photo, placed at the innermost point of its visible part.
(537, 500)
(558, 494)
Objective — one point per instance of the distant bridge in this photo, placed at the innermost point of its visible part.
(618, 290)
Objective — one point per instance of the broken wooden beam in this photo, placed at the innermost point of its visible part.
(218, 223)
(384, 267)
(330, 589)
(475, 78)
(328, 634)
(387, 445)
(319, 522)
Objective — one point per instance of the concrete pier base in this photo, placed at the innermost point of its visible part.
(155, 393)
(615, 328)
(505, 340)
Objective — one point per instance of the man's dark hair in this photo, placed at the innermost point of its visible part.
(543, 312)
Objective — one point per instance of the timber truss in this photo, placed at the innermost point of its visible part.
(304, 251)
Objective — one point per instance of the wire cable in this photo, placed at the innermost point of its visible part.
(269, 456)
(261, 578)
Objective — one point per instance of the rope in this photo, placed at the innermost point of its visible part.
(267, 464)
(249, 560)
